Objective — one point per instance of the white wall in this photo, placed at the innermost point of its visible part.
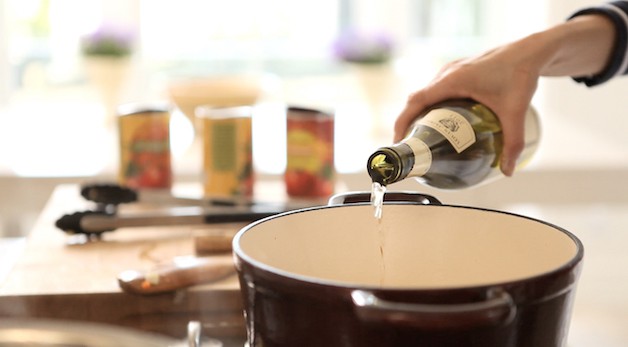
(4, 59)
(585, 126)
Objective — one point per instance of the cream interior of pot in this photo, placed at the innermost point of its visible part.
(413, 246)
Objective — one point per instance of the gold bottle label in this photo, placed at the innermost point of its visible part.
(452, 125)
(422, 155)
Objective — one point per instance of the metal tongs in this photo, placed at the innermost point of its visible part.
(109, 196)
(93, 223)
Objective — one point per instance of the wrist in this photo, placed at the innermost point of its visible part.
(539, 51)
(578, 47)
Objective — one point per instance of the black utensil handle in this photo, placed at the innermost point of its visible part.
(72, 223)
(108, 193)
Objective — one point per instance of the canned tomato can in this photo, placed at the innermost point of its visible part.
(144, 137)
(310, 171)
(227, 151)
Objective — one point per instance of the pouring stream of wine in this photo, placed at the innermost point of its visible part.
(377, 200)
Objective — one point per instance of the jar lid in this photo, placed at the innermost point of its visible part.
(143, 107)
(307, 112)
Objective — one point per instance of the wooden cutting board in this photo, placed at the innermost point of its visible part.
(55, 279)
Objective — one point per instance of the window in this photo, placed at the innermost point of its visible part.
(53, 120)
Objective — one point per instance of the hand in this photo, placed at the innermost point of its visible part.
(505, 78)
(494, 79)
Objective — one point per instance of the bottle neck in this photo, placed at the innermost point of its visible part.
(390, 164)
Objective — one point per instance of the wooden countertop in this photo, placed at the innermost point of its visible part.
(54, 279)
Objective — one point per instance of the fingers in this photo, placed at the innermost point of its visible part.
(418, 102)
(512, 119)
(493, 79)
(511, 108)
(512, 123)
(445, 85)
(415, 105)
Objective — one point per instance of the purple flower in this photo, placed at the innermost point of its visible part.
(363, 47)
(108, 40)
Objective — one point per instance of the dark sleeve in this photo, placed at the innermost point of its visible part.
(617, 12)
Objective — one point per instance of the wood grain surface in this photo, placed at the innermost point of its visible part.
(56, 277)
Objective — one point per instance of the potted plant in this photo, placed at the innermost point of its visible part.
(106, 53)
(369, 53)
(364, 47)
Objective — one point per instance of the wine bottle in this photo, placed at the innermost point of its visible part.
(453, 145)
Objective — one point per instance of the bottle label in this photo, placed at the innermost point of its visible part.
(452, 125)
(423, 156)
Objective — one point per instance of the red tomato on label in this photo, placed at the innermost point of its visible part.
(299, 183)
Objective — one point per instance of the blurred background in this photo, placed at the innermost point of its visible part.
(56, 122)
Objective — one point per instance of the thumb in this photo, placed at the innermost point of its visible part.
(513, 133)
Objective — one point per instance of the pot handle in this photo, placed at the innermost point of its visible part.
(497, 309)
(398, 196)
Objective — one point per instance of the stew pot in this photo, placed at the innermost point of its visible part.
(426, 274)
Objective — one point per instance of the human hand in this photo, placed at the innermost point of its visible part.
(505, 78)
(501, 79)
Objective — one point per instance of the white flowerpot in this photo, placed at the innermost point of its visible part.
(108, 75)
(379, 85)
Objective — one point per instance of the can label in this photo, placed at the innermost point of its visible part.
(310, 171)
(145, 159)
(228, 156)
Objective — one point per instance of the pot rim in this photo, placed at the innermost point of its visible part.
(240, 255)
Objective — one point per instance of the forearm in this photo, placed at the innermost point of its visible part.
(579, 47)
(604, 44)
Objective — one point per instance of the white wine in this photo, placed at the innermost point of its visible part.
(455, 144)
(377, 198)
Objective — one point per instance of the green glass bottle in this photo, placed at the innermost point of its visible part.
(455, 144)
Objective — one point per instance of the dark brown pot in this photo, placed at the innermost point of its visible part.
(427, 275)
